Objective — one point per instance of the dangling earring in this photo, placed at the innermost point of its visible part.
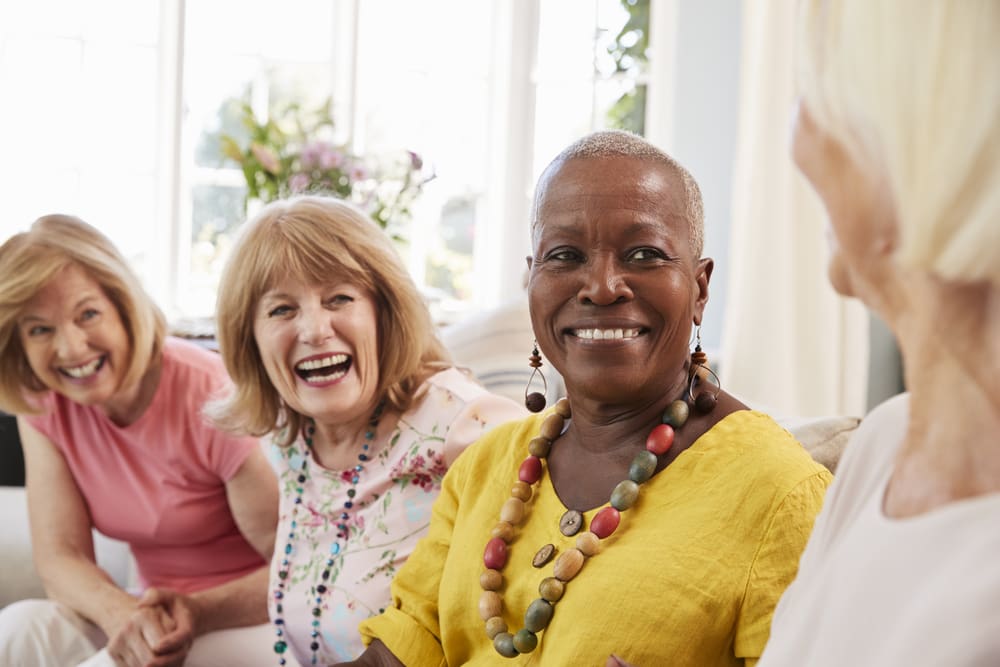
(535, 401)
(698, 373)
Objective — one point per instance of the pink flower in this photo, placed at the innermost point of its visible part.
(298, 183)
(268, 160)
(358, 172)
(330, 157)
(416, 161)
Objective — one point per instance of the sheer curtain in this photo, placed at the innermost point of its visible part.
(790, 344)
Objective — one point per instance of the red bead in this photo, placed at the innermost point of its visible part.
(495, 556)
(530, 470)
(660, 439)
(605, 522)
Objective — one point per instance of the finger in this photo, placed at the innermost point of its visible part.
(181, 635)
(152, 597)
(154, 623)
(615, 661)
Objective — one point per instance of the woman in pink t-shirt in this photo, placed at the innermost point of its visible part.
(110, 415)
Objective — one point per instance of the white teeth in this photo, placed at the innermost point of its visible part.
(606, 334)
(326, 378)
(84, 371)
(314, 364)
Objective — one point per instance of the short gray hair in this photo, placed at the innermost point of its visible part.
(619, 143)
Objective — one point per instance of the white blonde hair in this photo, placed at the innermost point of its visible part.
(912, 88)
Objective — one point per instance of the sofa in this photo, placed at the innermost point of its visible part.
(493, 346)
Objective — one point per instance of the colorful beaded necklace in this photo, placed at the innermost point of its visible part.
(568, 564)
(280, 646)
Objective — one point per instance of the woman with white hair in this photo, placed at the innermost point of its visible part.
(898, 130)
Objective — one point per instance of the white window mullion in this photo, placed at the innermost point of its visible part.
(173, 221)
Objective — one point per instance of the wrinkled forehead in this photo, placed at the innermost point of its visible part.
(620, 182)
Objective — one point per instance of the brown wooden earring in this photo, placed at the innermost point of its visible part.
(535, 401)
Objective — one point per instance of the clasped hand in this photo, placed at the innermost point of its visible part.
(159, 633)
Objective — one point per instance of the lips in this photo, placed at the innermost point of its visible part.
(84, 371)
(325, 368)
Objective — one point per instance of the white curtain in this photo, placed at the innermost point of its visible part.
(790, 345)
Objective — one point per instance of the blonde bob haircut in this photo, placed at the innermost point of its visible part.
(29, 260)
(318, 241)
(912, 89)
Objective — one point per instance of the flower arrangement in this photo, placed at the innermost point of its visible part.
(294, 152)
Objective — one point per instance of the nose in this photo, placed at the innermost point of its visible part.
(315, 327)
(604, 282)
(71, 342)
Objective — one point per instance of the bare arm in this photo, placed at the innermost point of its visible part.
(61, 538)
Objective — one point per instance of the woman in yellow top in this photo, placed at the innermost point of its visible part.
(649, 518)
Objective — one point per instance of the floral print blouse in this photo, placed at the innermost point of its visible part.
(390, 512)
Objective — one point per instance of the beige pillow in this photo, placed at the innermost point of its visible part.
(824, 437)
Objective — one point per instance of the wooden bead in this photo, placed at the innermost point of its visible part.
(491, 580)
(705, 402)
(643, 466)
(539, 447)
(490, 605)
(562, 408)
(504, 645)
(543, 555)
(570, 523)
(512, 511)
(551, 589)
(605, 522)
(588, 543)
(535, 402)
(495, 626)
(552, 426)
(538, 615)
(660, 439)
(568, 564)
(495, 555)
(525, 641)
(504, 531)
(624, 495)
(521, 491)
(530, 470)
(676, 413)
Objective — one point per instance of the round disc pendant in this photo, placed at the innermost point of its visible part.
(543, 555)
(570, 523)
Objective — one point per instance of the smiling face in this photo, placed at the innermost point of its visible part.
(614, 287)
(74, 339)
(319, 348)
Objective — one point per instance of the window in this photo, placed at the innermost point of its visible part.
(119, 121)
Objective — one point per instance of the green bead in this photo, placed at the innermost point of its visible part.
(676, 413)
(538, 615)
(624, 495)
(280, 647)
(504, 644)
(525, 641)
(643, 466)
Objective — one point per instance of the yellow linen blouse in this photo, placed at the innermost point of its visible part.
(690, 577)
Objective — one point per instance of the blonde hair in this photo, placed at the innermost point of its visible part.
(913, 89)
(29, 260)
(619, 143)
(317, 240)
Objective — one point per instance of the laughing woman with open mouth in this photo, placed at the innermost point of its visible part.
(332, 349)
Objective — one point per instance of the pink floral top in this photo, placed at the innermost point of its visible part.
(391, 512)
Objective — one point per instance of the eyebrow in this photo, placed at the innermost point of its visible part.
(79, 304)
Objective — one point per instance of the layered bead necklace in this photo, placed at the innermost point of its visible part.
(336, 547)
(569, 563)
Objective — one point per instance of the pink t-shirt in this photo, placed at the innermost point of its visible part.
(159, 483)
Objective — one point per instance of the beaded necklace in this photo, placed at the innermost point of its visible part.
(568, 564)
(280, 646)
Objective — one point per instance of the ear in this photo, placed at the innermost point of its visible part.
(702, 276)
